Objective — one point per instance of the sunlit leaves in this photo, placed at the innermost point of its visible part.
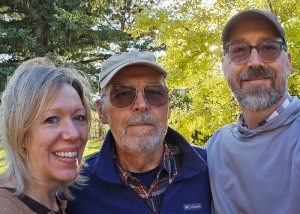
(191, 31)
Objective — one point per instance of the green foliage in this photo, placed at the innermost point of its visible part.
(83, 32)
(91, 148)
(2, 168)
(191, 31)
(180, 98)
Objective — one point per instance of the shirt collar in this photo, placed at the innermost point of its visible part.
(165, 163)
(274, 114)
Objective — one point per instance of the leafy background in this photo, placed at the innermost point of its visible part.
(184, 35)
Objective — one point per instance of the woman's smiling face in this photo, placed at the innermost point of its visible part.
(56, 142)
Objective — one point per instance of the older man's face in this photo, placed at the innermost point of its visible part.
(257, 84)
(139, 128)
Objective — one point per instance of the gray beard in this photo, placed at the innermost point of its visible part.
(258, 97)
(146, 146)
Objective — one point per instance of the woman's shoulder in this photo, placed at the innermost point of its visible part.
(11, 204)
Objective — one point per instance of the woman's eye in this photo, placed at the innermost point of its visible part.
(51, 120)
(80, 118)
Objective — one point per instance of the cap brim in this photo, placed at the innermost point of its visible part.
(106, 80)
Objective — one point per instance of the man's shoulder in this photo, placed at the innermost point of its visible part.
(90, 162)
(92, 158)
(228, 127)
(218, 135)
(201, 151)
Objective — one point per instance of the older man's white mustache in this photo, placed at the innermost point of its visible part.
(141, 118)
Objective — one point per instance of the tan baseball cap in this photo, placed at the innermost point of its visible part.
(253, 14)
(118, 61)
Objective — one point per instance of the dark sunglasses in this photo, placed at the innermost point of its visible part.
(123, 96)
(268, 51)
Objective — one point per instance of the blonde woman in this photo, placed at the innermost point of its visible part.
(44, 121)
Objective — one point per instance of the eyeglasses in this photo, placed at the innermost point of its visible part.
(123, 96)
(268, 51)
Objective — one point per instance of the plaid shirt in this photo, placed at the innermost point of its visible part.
(278, 111)
(169, 167)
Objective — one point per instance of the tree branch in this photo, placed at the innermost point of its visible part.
(109, 23)
(270, 6)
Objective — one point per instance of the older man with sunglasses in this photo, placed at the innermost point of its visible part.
(254, 166)
(144, 166)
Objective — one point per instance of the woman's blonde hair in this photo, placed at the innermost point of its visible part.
(25, 99)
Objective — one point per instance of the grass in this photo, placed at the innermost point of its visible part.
(1, 160)
(92, 147)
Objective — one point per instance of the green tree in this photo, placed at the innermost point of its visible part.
(83, 32)
(191, 31)
(62, 29)
(120, 15)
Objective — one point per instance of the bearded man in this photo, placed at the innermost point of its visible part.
(254, 166)
(144, 166)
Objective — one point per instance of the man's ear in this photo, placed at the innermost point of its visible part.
(224, 67)
(288, 63)
(101, 111)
